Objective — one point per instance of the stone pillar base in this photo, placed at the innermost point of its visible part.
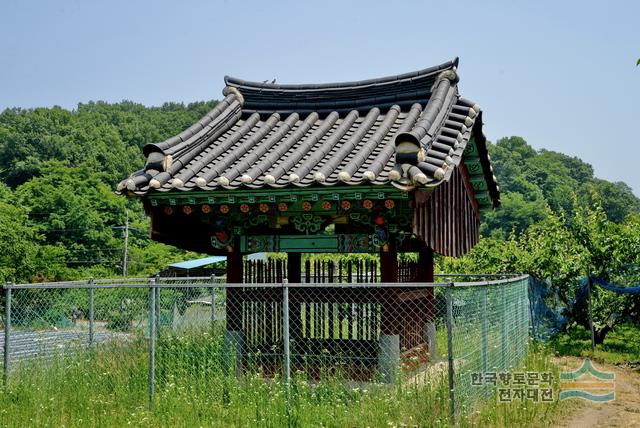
(232, 351)
(432, 345)
(388, 357)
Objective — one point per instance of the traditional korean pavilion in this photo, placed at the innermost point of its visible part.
(387, 165)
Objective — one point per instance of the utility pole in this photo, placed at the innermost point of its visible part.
(126, 244)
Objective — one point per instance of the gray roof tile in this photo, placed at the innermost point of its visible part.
(410, 130)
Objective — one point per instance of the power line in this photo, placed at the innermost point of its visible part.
(92, 228)
(94, 250)
(106, 262)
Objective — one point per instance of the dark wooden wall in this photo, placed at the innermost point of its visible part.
(447, 219)
(316, 271)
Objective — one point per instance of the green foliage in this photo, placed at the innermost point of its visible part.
(105, 137)
(565, 250)
(537, 184)
(59, 216)
(559, 222)
(622, 345)
(18, 244)
(73, 208)
(516, 214)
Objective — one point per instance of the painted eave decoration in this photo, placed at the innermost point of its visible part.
(410, 131)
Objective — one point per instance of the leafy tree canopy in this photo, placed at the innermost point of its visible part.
(539, 183)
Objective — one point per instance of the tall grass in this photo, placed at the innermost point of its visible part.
(107, 386)
(621, 345)
(493, 413)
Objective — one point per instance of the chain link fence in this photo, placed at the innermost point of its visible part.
(208, 337)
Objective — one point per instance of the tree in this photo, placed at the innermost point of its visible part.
(515, 215)
(566, 251)
(73, 208)
(18, 244)
(543, 182)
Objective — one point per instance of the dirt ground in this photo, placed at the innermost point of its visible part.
(624, 411)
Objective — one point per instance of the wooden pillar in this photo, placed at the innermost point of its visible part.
(428, 304)
(294, 276)
(389, 273)
(234, 267)
(234, 304)
(234, 336)
(425, 265)
(294, 267)
(391, 322)
(389, 264)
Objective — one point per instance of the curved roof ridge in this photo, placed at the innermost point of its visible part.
(412, 131)
(263, 86)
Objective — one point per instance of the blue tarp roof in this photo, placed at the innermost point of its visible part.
(257, 256)
(191, 264)
(196, 263)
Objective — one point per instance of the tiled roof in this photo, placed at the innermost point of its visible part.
(409, 130)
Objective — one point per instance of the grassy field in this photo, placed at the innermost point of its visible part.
(621, 345)
(108, 387)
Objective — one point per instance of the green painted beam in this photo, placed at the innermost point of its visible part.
(474, 167)
(276, 195)
(471, 149)
(478, 183)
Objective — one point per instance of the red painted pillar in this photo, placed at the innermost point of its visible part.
(389, 273)
(234, 304)
(428, 303)
(234, 267)
(425, 274)
(389, 264)
(391, 334)
(296, 295)
(425, 265)
(294, 267)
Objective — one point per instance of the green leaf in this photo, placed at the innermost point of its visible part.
(638, 63)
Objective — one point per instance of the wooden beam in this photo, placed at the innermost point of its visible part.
(234, 303)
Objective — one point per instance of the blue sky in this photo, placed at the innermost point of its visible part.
(560, 74)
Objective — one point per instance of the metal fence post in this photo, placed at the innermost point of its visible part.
(285, 331)
(158, 311)
(152, 340)
(452, 402)
(503, 329)
(528, 308)
(7, 333)
(485, 332)
(91, 311)
(524, 324)
(532, 303)
(213, 300)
